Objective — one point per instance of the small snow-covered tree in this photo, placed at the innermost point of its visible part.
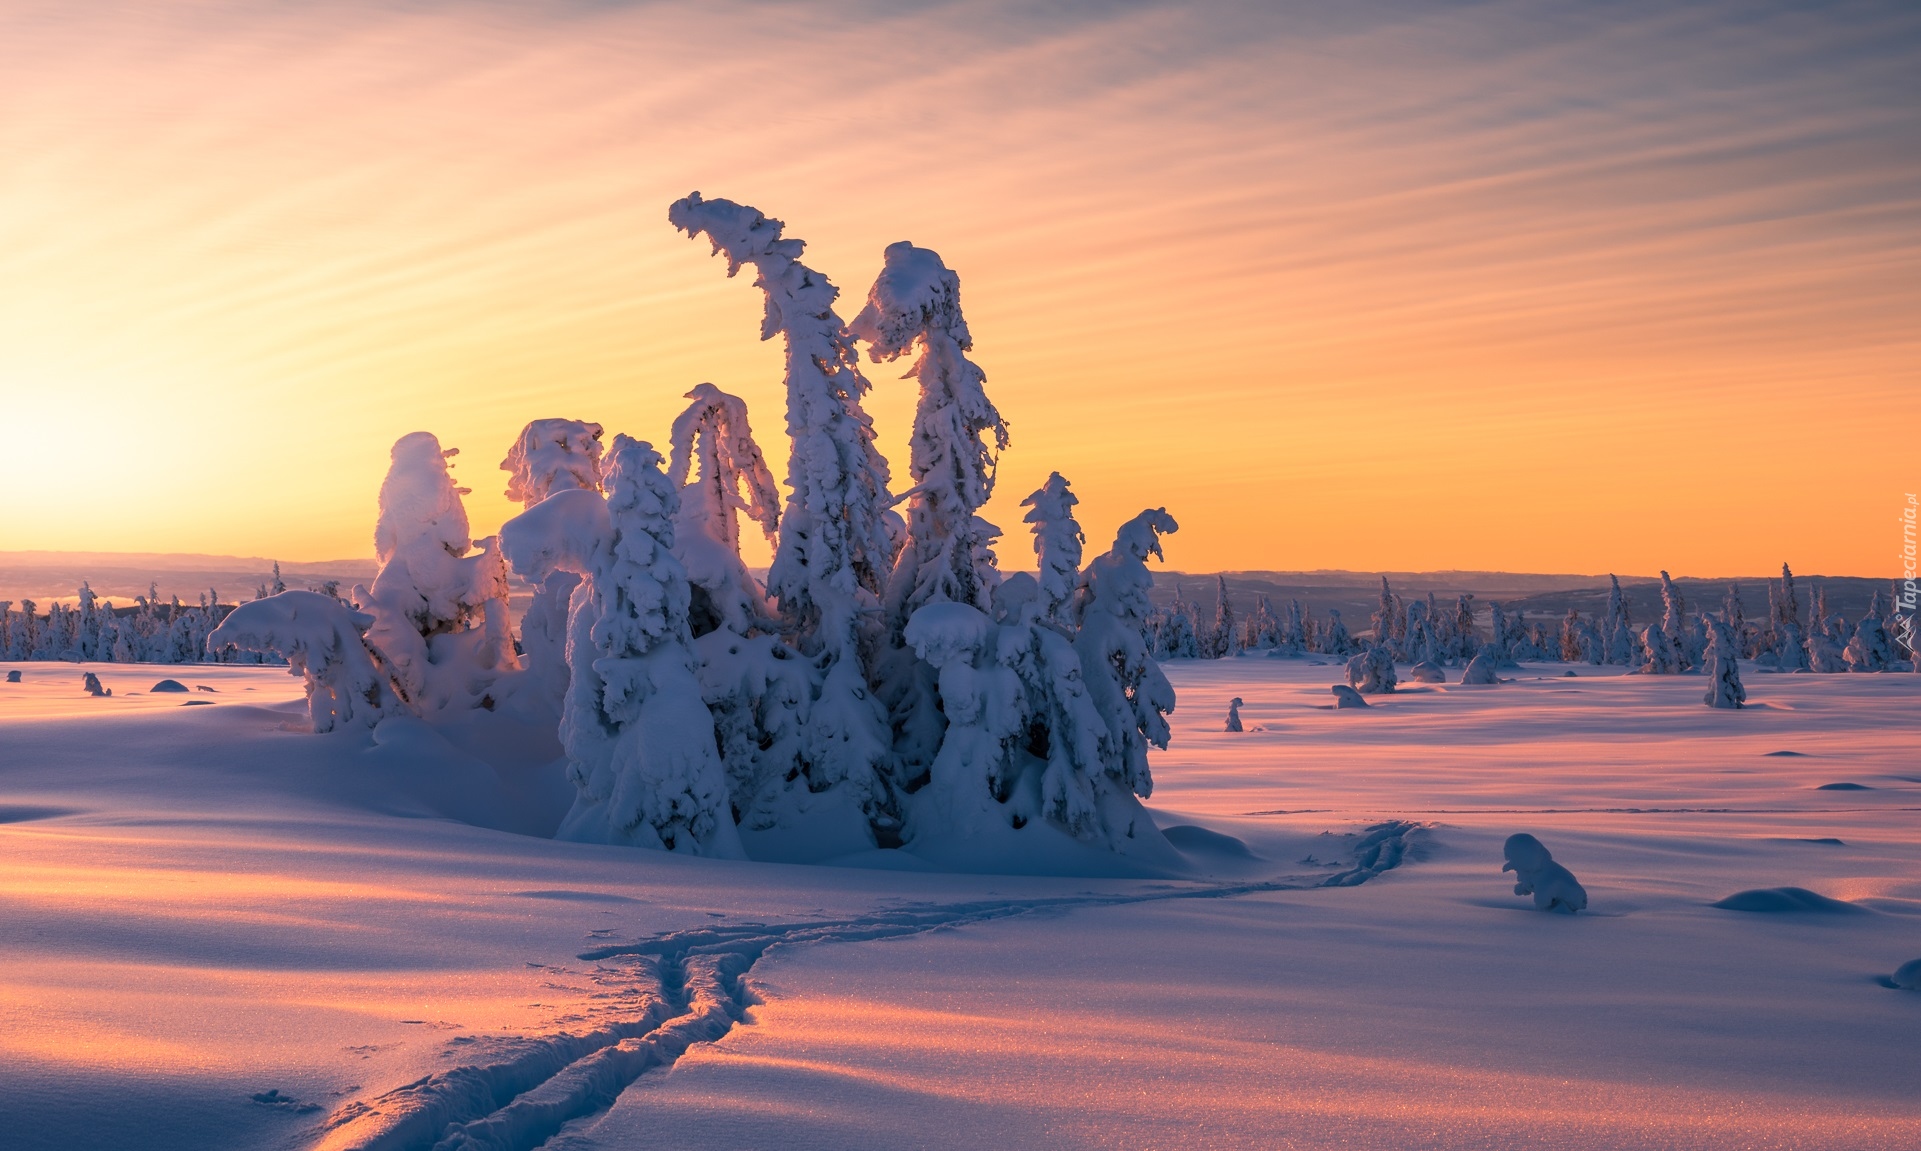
(1618, 642)
(551, 455)
(1263, 628)
(731, 478)
(1870, 649)
(440, 614)
(1058, 542)
(1724, 670)
(1226, 634)
(1371, 672)
(1234, 714)
(639, 739)
(1335, 639)
(348, 682)
(1660, 654)
(837, 542)
(1126, 686)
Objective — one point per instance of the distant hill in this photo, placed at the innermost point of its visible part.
(44, 576)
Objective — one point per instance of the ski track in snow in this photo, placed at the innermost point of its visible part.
(669, 992)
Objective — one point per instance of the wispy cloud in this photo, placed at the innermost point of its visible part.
(1293, 270)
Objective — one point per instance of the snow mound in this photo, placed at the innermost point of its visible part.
(1908, 976)
(168, 685)
(1196, 840)
(1776, 900)
(1553, 887)
(1844, 787)
(1345, 696)
(1427, 671)
(13, 676)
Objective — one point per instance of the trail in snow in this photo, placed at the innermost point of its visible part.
(664, 994)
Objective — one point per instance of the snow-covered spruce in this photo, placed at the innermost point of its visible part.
(721, 473)
(1553, 886)
(348, 681)
(1870, 649)
(440, 614)
(1618, 644)
(1724, 670)
(1058, 542)
(551, 455)
(948, 555)
(1126, 686)
(639, 740)
(1335, 638)
(1234, 714)
(838, 540)
(1371, 672)
(1660, 654)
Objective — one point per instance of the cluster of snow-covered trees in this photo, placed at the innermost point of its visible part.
(1799, 632)
(92, 629)
(887, 684)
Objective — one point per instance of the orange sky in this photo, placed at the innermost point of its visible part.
(1523, 286)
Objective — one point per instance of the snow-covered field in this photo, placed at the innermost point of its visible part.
(219, 930)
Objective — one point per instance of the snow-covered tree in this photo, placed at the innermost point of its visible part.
(1335, 639)
(1870, 649)
(837, 541)
(639, 739)
(1618, 644)
(1660, 654)
(1371, 672)
(440, 614)
(1226, 635)
(551, 455)
(1724, 671)
(1058, 542)
(713, 444)
(1263, 628)
(349, 682)
(1126, 686)
(1234, 714)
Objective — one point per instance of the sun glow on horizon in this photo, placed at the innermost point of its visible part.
(1388, 287)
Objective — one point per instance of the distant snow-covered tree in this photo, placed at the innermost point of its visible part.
(1870, 649)
(1660, 654)
(1335, 639)
(1371, 672)
(1226, 633)
(1724, 670)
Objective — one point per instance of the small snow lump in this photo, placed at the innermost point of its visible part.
(1553, 887)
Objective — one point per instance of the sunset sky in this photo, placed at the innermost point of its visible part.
(1538, 287)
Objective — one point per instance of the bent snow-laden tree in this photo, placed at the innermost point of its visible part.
(551, 455)
(639, 740)
(721, 475)
(948, 554)
(837, 541)
(348, 682)
(440, 615)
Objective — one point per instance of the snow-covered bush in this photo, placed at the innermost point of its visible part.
(838, 542)
(440, 614)
(1553, 886)
(1234, 714)
(1346, 697)
(1427, 671)
(1483, 669)
(1371, 672)
(90, 683)
(324, 641)
(639, 739)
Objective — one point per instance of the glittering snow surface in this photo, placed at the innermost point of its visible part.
(223, 931)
